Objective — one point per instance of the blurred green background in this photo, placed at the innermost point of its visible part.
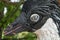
(9, 11)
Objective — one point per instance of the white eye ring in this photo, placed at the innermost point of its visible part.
(34, 17)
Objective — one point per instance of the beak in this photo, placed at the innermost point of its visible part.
(19, 25)
(14, 30)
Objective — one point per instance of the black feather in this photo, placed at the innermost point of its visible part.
(45, 8)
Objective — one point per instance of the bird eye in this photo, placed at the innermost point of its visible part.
(34, 17)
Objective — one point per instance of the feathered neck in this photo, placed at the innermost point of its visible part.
(48, 31)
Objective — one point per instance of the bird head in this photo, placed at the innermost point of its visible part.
(33, 16)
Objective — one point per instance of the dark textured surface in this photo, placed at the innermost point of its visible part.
(45, 8)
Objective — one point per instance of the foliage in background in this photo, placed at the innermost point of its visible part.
(13, 11)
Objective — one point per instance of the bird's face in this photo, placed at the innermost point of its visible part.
(16, 27)
(30, 22)
(32, 18)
